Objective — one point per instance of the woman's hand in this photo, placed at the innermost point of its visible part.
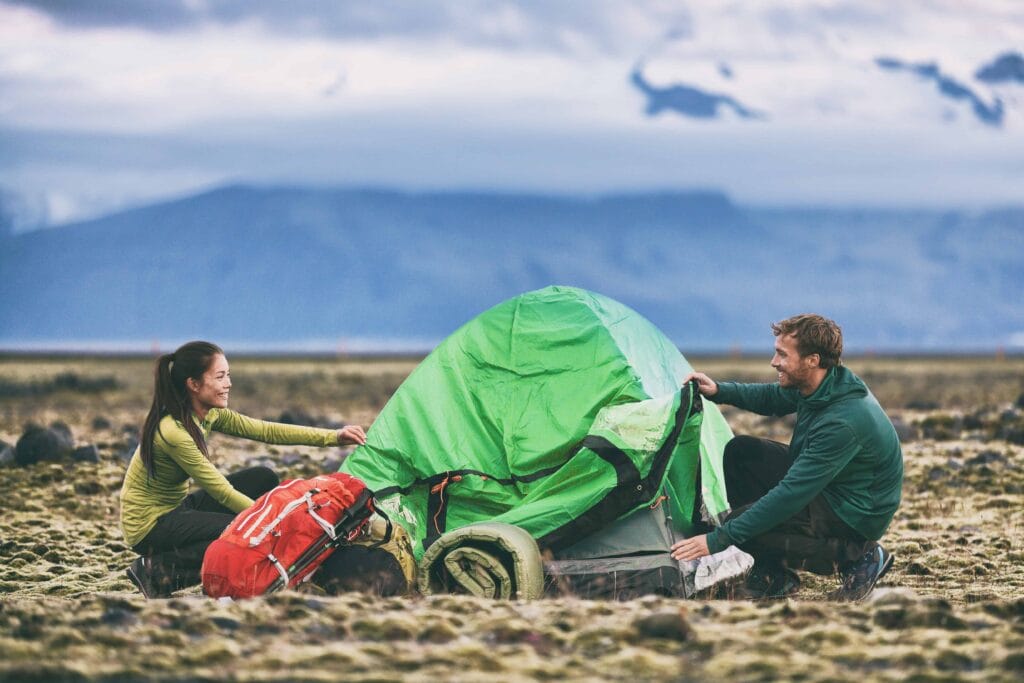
(351, 434)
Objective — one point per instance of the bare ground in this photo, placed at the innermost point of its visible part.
(952, 608)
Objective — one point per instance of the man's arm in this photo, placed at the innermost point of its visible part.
(763, 399)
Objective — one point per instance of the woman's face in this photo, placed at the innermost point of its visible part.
(213, 388)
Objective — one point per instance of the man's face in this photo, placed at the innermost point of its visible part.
(794, 370)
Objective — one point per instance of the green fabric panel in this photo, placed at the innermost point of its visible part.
(644, 531)
(487, 559)
(512, 394)
(551, 502)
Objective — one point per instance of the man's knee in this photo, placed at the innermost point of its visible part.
(739, 449)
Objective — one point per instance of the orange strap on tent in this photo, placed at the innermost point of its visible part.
(657, 503)
(439, 489)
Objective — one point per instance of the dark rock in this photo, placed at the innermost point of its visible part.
(41, 443)
(87, 453)
(1014, 662)
(1014, 435)
(942, 427)
(332, 464)
(89, 487)
(923, 405)
(262, 461)
(118, 616)
(951, 660)
(128, 451)
(936, 473)
(986, 458)
(296, 416)
(973, 422)
(63, 429)
(1020, 402)
(894, 618)
(226, 623)
(918, 569)
(316, 605)
(904, 430)
(666, 625)
(100, 422)
(954, 464)
(6, 454)
(289, 459)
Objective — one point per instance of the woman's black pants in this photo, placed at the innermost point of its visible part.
(815, 538)
(177, 543)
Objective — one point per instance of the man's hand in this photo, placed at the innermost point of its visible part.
(351, 434)
(705, 384)
(691, 548)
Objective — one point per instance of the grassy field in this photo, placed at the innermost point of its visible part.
(952, 608)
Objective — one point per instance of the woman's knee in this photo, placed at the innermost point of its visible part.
(255, 481)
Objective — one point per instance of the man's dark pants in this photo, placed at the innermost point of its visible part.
(815, 538)
(178, 541)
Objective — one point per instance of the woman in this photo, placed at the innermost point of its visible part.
(161, 521)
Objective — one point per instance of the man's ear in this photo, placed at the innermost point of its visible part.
(814, 360)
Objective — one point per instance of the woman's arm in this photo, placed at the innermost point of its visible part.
(236, 424)
(178, 444)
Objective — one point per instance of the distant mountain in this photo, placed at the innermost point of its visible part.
(990, 114)
(286, 266)
(687, 100)
(1006, 68)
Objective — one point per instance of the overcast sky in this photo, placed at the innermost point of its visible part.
(110, 103)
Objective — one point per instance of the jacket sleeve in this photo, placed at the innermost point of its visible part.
(825, 454)
(236, 424)
(763, 399)
(178, 444)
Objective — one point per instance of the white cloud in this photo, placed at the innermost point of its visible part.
(505, 94)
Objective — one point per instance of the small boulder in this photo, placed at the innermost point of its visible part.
(43, 443)
(904, 430)
(87, 453)
(100, 422)
(296, 416)
(670, 625)
(6, 454)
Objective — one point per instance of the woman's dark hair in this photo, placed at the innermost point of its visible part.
(170, 396)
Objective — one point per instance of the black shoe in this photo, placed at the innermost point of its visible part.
(138, 572)
(771, 584)
(860, 577)
(141, 574)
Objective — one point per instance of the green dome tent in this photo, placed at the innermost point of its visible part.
(559, 411)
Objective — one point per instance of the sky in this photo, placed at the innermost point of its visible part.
(114, 103)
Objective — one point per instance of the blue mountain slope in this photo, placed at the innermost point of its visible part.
(273, 265)
(989, 114)
(686, 100)
(1006, 68)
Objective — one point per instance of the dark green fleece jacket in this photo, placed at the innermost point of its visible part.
(846, 449)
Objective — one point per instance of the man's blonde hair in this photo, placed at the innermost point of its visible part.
(814, 334)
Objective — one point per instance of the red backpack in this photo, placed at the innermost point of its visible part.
(286, 534)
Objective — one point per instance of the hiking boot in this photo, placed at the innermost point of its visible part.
(141, 574)
(768, 584)
(859, 577)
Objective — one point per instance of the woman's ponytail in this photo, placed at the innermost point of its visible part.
(170, 395)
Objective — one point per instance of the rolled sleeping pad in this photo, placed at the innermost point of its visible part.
(488, 559)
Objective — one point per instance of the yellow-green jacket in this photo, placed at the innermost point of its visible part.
(176, 458)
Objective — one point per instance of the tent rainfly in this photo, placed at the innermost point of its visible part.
(561, 412)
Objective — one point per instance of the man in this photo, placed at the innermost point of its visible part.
(822, 503)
